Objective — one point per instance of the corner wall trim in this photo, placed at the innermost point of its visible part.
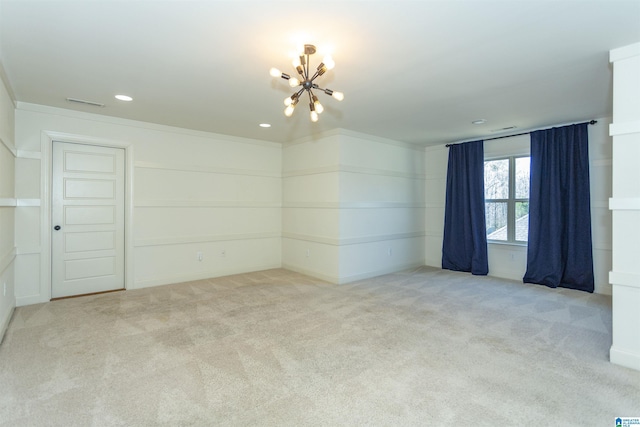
(28, 202)
(624, 128)
(624, 203)
(7, 259)
(624, 52)
(34, 155)
(624, 357)
(354, 170)
(9, 147)
(619, 278)
(38, 108)
(206, 204)
(182, 240)
(353, 240)
(208, 169)
(5, 322)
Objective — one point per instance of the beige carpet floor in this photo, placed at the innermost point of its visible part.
(419, 348)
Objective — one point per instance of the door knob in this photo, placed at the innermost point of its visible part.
(57, 227)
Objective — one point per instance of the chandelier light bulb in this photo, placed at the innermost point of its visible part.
(338, 95)
(329, 62)
(289, 110)
(314, 116)
(287, 101)
(316, 105)
(275, 72)
(296, 62)
(293, 82)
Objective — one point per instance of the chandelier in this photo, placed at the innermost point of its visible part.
(301, 64)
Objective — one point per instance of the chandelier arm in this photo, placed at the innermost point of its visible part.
(315, 86)
(314, 76)
(306, 69)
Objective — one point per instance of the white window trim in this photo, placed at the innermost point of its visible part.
(511, 201)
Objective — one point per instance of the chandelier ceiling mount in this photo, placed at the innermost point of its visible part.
(306, 83)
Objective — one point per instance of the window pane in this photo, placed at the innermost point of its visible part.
(496, 179)
(522, 177)
(496, 217)
(522, 221)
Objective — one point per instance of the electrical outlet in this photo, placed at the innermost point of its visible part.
(199, 256)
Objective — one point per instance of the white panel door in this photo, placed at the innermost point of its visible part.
(87, 241)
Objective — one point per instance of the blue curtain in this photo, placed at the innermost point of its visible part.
(464, 247)
(559, 250)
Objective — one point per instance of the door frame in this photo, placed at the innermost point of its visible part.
(46, 183)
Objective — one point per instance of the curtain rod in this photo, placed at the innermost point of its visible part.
(592, 122)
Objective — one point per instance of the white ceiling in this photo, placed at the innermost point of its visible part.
(413, 71)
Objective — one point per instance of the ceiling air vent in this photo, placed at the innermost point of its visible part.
(82, 101)
(504, 129)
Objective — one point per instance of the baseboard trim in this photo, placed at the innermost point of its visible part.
(331, 279)
(354, 277)
(624, 358)
(202, 275)
(30, 300)
(381, 272)
(89, 294)
(5, 323)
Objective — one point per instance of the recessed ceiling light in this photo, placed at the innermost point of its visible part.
(265, 125)
(124, 98)
(479, 122)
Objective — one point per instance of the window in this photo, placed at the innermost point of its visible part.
(506, 193)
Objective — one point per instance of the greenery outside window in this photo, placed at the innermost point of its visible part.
(506, 193)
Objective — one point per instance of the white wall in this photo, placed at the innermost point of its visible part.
(311, 207)
(600, 172)
(192, 191)
(381, 206)
(353, 206)
(435, 161)
(625, 205)
(510, 261)
(8, 203)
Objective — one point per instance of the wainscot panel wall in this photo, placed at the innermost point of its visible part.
(8, 206)
(311, 207)
(382, 189)
(435, 161)
(625, 206)
(509, 261)
(353, 206)
(203, 204)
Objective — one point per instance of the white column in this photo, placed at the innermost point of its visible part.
(625, 206)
